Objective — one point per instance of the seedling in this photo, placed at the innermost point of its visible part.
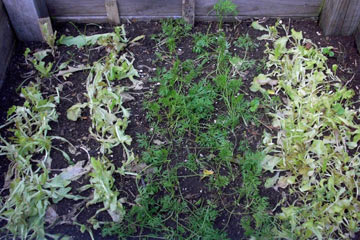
(245, 42)
(328, 51)
(224, 8)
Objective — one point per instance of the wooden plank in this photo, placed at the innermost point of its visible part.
(352, 18)
(76, 8)
(155, 9)
(7, 43)
(188, 11)
(24, 15)
(357, 38)
(265, 8)
(112, 11)
(333, 15)
(340, 17)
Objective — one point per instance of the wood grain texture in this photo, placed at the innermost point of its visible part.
(340, 17)
(357, 38)
(112, 11)
(24, 15)
(82, 10)
(265, 8)
(64, 8)
(352, 18)
(7, 43)
(188, 11)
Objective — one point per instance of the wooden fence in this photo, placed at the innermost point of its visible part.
(7, 42)
(95, 11)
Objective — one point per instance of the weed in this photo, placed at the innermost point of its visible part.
(173, 30)
(328, 51)
(202, 42)
(50, 38)
(245, 42)
(223, 8)
(257, 223)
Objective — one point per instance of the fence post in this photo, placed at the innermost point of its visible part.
(188, 11)
(24, 16)
(357, 38)
(340, 17)
(112, 11)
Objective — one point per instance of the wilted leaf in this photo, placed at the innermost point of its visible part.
(126, 97)
(67, 73)
(74, 172)
(270, 182)
(282, 182)
(158, 142)
(256, 25)
(207, 173)
(270, 162)
(51, 215)
(74, 112)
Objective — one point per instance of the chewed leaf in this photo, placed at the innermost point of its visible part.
(270, 162)
(283, 182)
(40, 55)
(67, 73)
(256, 25)
(74, 172)
(319, 147)
(74, 112)
(263, 80)
(296, 35)
(270, 182)
(81, 40)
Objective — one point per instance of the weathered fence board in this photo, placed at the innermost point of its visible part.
(24, 15)
(352, 18)
(94, 10)
(340, 17)
(7, 42)
(270, 8)
(112, 11)
(188, 11)
(357, 38)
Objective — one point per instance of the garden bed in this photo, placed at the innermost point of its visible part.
(197, 136)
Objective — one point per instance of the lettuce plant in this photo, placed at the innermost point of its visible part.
(315, 152)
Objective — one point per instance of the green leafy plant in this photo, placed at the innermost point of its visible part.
(32, 190)
(102, 182)
(316, 148)
(173, 31)
(257, 222)
(245, 42)
(38, 62)
(224, 8)
(202, 42)
(49, 37)
(328, 51)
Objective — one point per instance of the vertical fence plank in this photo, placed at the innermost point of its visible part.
(24, 16)
(357, 37)
(340, 17)
(188, 11)
(352, 19)
(7, 43)
(112, 11)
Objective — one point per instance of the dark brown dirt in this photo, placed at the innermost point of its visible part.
(346, 56)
